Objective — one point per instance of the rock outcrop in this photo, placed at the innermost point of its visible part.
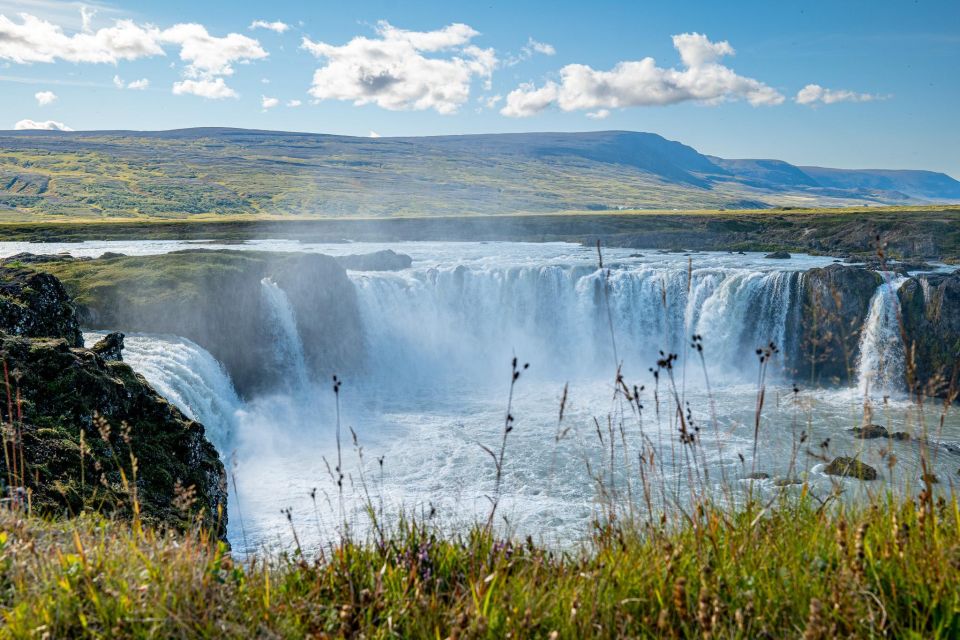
(216, 299)
(835, 301)
(930, 307)
(386, 260)
(36, 305)
(66, 459)
(850, 468)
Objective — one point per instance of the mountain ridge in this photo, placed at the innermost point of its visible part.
(215, 170)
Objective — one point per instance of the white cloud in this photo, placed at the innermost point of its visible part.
(209, 55)
(812, 94)
(490, 101)
(214, 88)
(36, 40)
(294, 103)
(140, 84)
(642, 83)
(268, 103)
(598, 115)
(278, 27)
(45, 97)
(392, 72)
(373, 134)
(209, 58)
(48, 125)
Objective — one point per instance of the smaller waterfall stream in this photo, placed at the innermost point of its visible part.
(882, 364)
(286, 336)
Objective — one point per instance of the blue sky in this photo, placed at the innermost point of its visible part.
(848, 84)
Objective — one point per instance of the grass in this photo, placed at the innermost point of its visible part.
(792, 570)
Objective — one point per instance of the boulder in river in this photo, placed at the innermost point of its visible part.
(778, 255)
(850, 468)
(386, 260)
(870, 431)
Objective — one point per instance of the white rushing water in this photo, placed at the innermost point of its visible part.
(881, 369)
(433, 390)
(288, 348)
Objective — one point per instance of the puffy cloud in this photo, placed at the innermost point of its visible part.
(278, 27)
(813, 94)
(45, 97)
(598, 115)
(212, 88)
(36, 40)
(209, 55)
(268, 103)
(48, 125)
(209, 58)
(294, 103)
(393, 72)
(642, 83)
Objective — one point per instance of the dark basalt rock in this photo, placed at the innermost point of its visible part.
(900, 436)
(110, 347)
(778, 255)
(930, 307)
(834, 302)
(757, 475)
(870, 431)
(386, 260)
(35, 304)
(61, 387)
(850, 468)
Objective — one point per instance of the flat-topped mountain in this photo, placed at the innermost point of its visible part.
(237, 171)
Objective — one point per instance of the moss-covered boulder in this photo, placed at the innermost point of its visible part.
(216, 299)
(930, 306)
(850, 468)
(35, 304)
(57, 391)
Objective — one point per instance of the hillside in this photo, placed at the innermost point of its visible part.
(234, 171)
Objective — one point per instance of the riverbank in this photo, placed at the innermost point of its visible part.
(905, 232)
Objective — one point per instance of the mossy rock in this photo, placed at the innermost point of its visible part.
(850, 468)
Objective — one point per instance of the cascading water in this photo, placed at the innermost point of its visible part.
(282, 324)
(188, 376)
(881, 368)
(449, 321)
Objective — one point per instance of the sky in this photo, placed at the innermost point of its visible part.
(853, 84)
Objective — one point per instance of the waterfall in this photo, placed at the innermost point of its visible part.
(189, 377)
(451, 322)
(881, 367)
(282, 324)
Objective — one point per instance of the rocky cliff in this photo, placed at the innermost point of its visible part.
(63, 459)
(834, 302)
(930, 307)
(216, 299)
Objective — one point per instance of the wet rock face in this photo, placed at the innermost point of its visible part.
(930, 308)
(36, 305)
(835, 301)
(215, 298)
